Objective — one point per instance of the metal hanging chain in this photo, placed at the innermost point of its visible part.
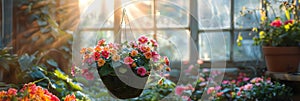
(123, 20)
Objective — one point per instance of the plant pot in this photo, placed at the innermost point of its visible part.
(124, 85)
(282, 59)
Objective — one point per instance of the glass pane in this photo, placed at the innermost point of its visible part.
(99, 14)
(172, 13)
(174, 44)
(216, 44)
(139, 13)
(247, 51)
(90, 38)
(214, 13)
(247, 13)
(274, 9)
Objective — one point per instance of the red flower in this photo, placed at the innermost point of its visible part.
(96, 56)
(276, 23)
(105, 54)
(12, 91)
(101, 42)
(143, 39)
(141, 71)
(167, 61)
(289, 22)
(219, 94)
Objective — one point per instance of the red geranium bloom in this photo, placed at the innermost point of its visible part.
(96, 56)
(276, 23)
(105, 54)
(289, 22)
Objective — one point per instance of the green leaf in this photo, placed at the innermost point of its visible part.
(105, 70)
(37, 75)
(52, 63)
(25, 62)
(75, 86)
(60, 75)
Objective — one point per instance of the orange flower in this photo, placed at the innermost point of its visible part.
(83, 50)
(70, 98)
(90, 49)
(133, 65)
(101, 62)
(113, 52)
(106, 48)
(168, 69)
(148, 55)
(133, 53)
(97, 48)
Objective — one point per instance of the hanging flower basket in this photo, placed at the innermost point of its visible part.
(124, 68)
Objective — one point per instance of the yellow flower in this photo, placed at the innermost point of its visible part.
(262, 34)
(116, 57)
(101, 62)
(287, 27)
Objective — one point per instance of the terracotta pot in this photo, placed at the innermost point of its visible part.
(124, 85)
(282, 59)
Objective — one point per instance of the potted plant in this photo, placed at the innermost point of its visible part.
(124, 68)
(280, 39)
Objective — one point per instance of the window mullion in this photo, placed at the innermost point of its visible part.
(231, 29)
(193, 25)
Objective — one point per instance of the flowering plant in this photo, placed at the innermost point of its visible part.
(139, 56)
(31, 92)
(281, 31)
(240, 89)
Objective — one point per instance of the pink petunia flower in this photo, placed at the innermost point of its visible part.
(210, 90)
(88, 75)
(155, 56)
(143, 39)
(154, 43)
(73, 70)
(218, 87)
(179, 90)
(225, 82)
(276, 23)
(141, 71)
(128, 60)
(248, 86)
(246, 79)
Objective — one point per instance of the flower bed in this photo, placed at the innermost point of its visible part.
(31, 92)
(242, 88)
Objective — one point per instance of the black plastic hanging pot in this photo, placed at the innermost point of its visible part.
(123, 83)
